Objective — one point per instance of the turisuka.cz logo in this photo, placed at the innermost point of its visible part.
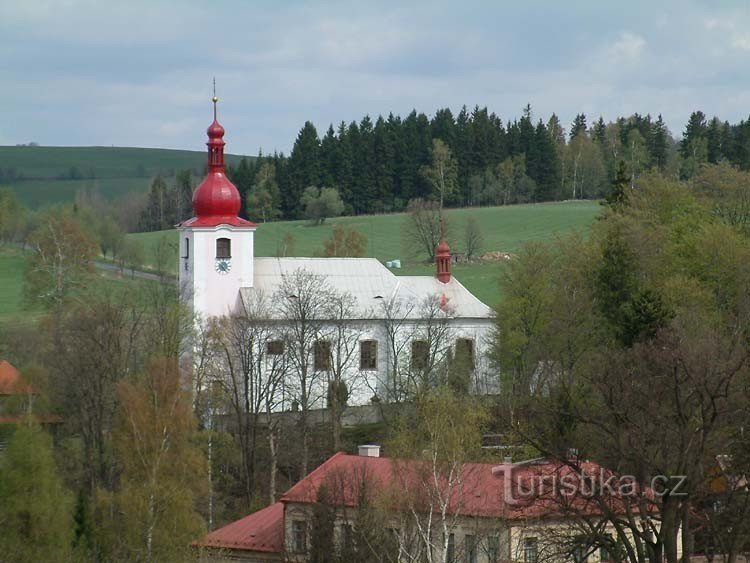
(521, 486)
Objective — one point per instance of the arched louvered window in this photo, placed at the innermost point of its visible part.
(223, 248)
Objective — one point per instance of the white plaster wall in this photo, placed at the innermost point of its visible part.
(213, 294)
(364, 384)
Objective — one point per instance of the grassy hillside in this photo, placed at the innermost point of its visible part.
(53, 174)
(12, 310)
(505, 229)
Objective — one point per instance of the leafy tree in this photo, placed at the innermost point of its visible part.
(320, 203)
(264, 198)
(36, 521)
(62, 261)
(345, 242)
(442, 173)
(12, 215)
(624, 346)
(132, 255)
(162, 471)
(444, 434)
(111, 237)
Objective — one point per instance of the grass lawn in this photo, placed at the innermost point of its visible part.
(505, 229)
(11, 288)
(12, 308)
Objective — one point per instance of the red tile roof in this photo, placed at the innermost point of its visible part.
(481, 489)
(11, 382)
(260, 531)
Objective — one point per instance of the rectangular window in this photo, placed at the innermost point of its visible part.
(451, 555)
(368, 354)
(347, 538)
(223, 248)
(579, 554)
(275, 347)
(465, 351)
(420, 354)
(187, 248)
(493, 549)
(604, 555)
(322, 351)
(530, 551)
(471, 549)
(299, 536)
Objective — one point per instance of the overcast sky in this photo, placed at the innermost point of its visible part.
(131, 73)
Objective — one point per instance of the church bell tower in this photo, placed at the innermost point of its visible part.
(216, 245)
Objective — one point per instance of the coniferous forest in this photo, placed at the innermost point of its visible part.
(378, 166)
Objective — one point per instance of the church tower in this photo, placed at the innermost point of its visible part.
(216, 245)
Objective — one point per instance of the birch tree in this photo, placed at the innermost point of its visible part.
(430, 493)
(155, 516)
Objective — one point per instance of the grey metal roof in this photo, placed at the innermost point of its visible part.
(369, 282)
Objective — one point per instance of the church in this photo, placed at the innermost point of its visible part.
(397, 327)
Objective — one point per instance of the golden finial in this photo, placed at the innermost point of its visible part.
(214, 99)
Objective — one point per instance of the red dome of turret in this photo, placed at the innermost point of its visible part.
(215, 130)
(216, 201)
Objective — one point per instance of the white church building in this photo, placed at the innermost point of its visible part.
(379, 333)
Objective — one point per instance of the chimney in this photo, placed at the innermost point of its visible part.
(369, 450)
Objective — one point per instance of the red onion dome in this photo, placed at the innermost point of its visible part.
(216, 195)
(215, 130)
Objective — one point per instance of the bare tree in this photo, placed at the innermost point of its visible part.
(435, 332)
(422, 229)
(303, 302)
(344, 332)
(473, 237)
(398, 327)
(253, 376)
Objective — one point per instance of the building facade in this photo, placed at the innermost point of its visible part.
(383, 335)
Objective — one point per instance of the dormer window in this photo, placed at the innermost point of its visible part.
(223, 248)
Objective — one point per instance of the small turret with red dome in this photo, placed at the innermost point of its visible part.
(216, 201)
(443, 257)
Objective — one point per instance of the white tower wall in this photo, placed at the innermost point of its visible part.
(209, 292)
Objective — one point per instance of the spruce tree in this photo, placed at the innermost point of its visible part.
(694, 130)
(659, 144)
(36, 511)
(545, 165)
(617, 198)
(578, 126)
(304, 167)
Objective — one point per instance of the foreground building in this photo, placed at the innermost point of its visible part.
(481, 513)
(382, 334)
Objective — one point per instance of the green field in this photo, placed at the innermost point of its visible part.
(44, 173)
(505, 229)
(13, 311)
